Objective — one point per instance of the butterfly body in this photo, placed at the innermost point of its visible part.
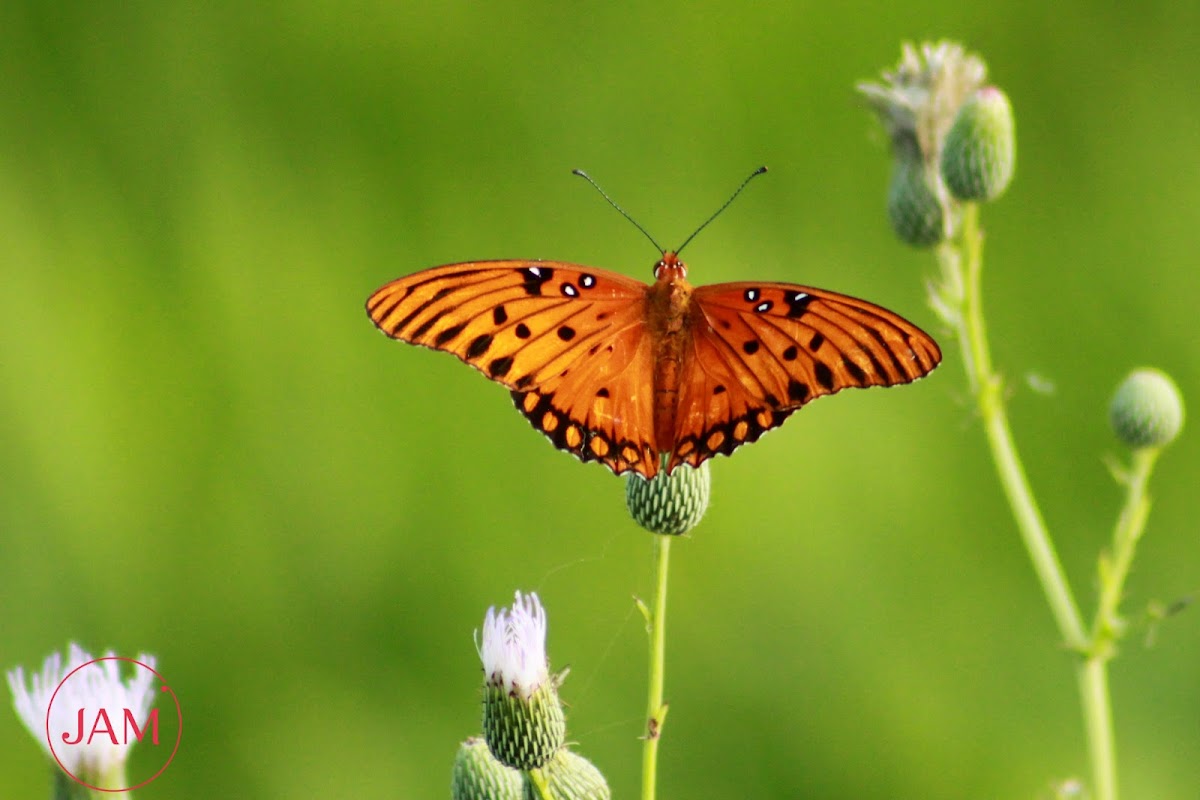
(621, 372)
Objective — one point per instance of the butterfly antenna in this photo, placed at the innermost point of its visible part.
(751, 177)
(613, 203)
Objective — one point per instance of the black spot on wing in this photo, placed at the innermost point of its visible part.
(797, 303)
(522, 331)
(566, 333)
(479, 345)
(499, 315)
(855, 370)
(790, 353)
(824, 375)
(797, 391)
(533, 278)
(499, 367)
(449, 334)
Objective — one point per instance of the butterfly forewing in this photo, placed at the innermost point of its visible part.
(762, 350)
(570, 341)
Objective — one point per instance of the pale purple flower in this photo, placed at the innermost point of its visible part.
(92, 688)
(514, 646)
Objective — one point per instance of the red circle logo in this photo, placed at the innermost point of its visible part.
(108, 728)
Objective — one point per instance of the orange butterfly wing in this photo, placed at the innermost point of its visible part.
(570, 341)
(762, 350)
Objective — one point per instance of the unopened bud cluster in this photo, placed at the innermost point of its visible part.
(952, 138)
(524, 728)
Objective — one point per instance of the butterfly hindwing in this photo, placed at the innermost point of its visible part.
(762, 350)
(570, 341)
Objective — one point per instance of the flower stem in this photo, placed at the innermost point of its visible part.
(656, 710)
(1130, 525)
(1092, 676)
(539, 780)
(1108, 626)
(1095, 649)
(989, 396)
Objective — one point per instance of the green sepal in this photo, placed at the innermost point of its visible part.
(669, 504)
(523, 733)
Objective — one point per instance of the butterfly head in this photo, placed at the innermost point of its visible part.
(669, 268)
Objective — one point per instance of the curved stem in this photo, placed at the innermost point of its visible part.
(1130, 525)
(656, 622)
(989, 395)
(1108, 626)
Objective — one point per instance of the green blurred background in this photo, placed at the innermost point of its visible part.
(209, 453)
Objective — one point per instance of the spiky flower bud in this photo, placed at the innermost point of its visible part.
(479, 776)
(523, 720)
(1147, 409)
(917, 101)
(979, 154)
(570, 776)
(669, 504)
(913, 206)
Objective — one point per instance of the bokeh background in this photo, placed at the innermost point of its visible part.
(209, 453)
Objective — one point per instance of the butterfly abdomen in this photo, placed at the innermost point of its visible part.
(667, 307)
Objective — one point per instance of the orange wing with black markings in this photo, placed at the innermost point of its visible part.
(762, 350)
(570, 341)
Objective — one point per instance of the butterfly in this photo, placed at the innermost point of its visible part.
(636, 376)
(617, 371)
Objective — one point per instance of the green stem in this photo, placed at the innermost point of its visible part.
(656, 710)
(1108, 626)
(1092, 673)
(1092, 676)
(989, 395)
(1130, 525)
(543, 787)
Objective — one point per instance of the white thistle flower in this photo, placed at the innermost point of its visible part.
(97, 686)
(917, 101)
(514, 647)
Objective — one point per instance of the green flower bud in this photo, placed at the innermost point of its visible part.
(979, 154)
(479, 776)
(669, 504)
(570, 776)
(913, 206)
(523, 733)
(1147, 410)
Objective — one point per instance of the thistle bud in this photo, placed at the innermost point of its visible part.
(979, 154)
(913, 206)
(479, 776)
(669, 504)
(523, 720)
(1147, 409)
(570, 776)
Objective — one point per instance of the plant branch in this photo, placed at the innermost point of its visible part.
(656, 621)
